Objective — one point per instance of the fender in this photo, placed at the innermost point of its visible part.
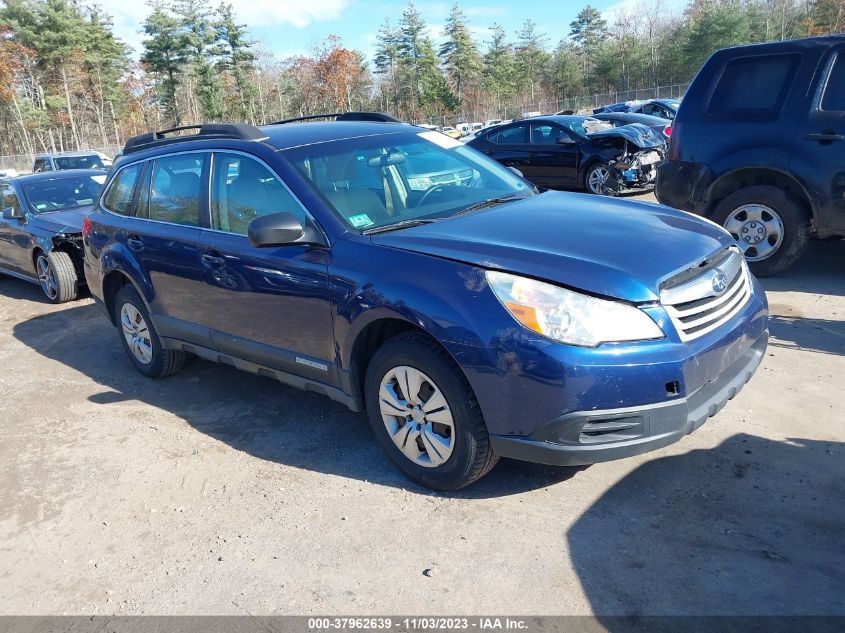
(117, 258)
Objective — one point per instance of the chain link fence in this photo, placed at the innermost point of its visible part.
(22, 163)
(583, 104)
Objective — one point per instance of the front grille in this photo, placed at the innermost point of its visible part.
(695, 301)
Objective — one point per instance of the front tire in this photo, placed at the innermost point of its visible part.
(425, 415)
(57, 276)
(140, 339)
(771, 228)
(596, 178)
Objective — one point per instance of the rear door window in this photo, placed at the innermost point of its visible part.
(833, 99)
(118, 198)
(754, 85)
(174, 194)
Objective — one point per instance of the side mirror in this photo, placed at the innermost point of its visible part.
(517, 172)
(280, 229)
(11, 213)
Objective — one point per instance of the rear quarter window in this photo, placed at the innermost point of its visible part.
(833, 99)
(754, 86)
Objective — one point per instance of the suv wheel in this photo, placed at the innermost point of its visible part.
(57, 276)
(425, 415)
(139, 338)
(770, 227)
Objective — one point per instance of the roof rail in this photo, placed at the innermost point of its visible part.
(239, 131)
(378, 117)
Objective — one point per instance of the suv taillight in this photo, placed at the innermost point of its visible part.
(674, 142)
(667, 131)
(86, 226)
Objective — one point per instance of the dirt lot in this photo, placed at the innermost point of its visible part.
(218, 492)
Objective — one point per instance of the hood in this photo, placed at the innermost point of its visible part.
(636, 133)
(604, 246)
(69, 221)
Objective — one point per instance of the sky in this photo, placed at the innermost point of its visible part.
(293, 27)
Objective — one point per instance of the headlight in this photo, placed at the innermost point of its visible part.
(570, 317)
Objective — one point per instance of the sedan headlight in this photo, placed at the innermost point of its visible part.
(570, 317)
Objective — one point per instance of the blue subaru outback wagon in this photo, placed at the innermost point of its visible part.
(397, 271)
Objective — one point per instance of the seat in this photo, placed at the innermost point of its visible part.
(350, 201)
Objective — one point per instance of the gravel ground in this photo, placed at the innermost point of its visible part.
(216, 492)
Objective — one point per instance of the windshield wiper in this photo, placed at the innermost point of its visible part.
(489, 202)
(400, 225)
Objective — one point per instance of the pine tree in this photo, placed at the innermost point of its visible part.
(201, 38)
(386, 60)
(165, 54)
(236, 57)
(499, 70)
(459, 54)
(531, 56)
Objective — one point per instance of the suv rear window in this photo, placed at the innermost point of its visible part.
(834, 90)
(754, 85)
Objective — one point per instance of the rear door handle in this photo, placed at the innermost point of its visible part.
(827, 136)
(213, 259)
(135, 242)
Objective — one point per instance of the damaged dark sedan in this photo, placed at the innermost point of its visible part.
(577, 152)
(41, 228)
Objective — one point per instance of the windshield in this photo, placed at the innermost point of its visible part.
(382, 180)
(91, 161)
(63, 193)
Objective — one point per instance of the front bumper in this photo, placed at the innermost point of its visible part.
(588, 437)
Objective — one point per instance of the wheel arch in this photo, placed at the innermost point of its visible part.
(369, 333)
(113, 281)
(746, 177)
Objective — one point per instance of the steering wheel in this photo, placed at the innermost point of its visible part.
(429, 192)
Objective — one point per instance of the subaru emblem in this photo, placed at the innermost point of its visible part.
(719, 282)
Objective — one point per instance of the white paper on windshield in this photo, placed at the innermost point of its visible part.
(446, 142)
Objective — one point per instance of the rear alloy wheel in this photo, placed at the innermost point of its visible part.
(140, 339)
(596, 179)
(57, 276)
(770, 228)
(425, 415)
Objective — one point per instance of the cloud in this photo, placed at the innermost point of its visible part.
(129, 16)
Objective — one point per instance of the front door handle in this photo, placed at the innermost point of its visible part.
(825, 136)
(135, 242)
(213, 259)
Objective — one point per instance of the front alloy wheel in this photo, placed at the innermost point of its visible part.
(57, 276)
(597, 179)
(417, 416)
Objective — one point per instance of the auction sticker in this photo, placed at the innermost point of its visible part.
(360, 221)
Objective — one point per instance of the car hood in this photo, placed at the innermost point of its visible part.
(637, 133)
(62, 221)
(605, 246)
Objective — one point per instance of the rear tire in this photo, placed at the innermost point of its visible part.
(57, 276)
(140, 339)
(442, 445)
(778, 212)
